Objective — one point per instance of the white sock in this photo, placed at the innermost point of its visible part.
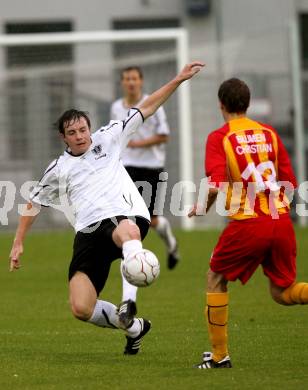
(105, 314)
(128, 290)
(163, 228)
(135, 329)
(131, 246)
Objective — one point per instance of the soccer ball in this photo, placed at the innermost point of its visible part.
(141, 269)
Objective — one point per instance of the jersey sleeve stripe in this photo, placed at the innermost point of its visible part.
(48, 170)
(36, 194)
(135, 108)
(109, 127)
(130, 117)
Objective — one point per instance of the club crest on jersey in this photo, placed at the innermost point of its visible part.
(97, 150)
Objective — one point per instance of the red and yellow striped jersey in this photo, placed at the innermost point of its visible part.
(247, 159)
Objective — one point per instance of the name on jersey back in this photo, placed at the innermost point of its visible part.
(252, 144)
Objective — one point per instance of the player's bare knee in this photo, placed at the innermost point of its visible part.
(81, 311)
(133, 231)
(125, 231)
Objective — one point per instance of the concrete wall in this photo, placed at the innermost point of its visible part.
(87, 15)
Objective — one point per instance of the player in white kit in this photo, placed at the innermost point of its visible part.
(110, 217)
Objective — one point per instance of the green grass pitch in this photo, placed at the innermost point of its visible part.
(43, 347)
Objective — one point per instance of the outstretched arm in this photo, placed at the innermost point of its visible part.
(24, 225)
(157, 98)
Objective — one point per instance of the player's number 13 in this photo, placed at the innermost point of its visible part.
(257, 171)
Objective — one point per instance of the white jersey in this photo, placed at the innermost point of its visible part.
(95, 185)
(149, 157)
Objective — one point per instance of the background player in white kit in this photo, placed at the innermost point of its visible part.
(145, 155)
(111, 217)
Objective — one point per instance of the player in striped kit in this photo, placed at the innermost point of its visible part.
(248, 161)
